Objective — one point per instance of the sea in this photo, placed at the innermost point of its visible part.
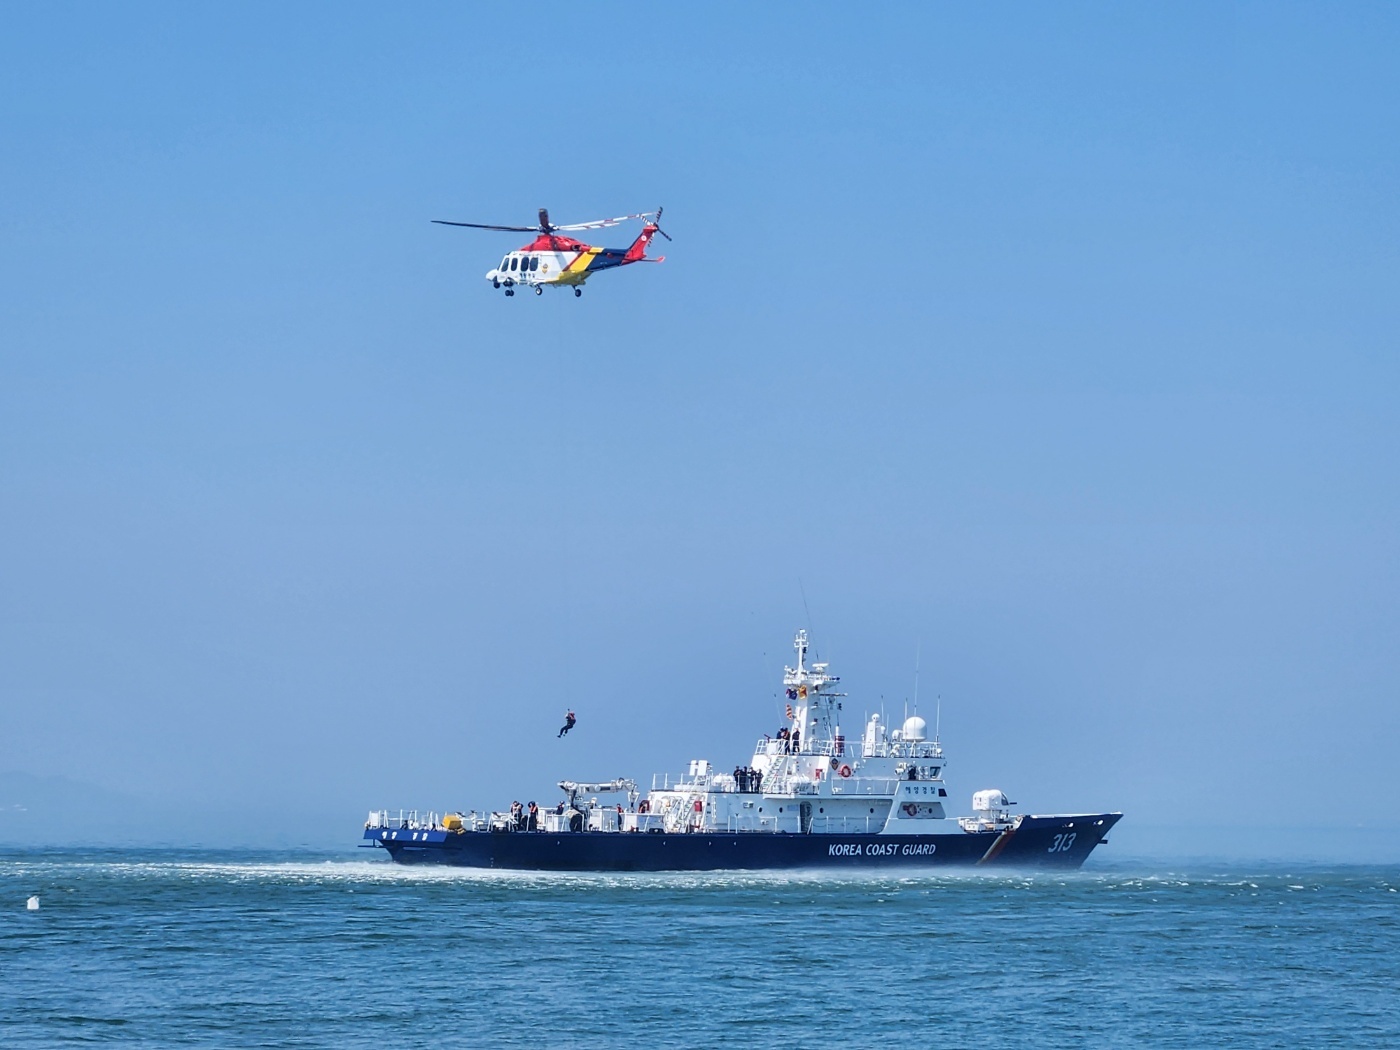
(172, 948)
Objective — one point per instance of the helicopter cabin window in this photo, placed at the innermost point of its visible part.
(514, 262)
(534, 262)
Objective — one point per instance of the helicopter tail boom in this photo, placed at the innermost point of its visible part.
(636, 252)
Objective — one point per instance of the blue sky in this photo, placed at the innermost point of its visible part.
(1056, 344)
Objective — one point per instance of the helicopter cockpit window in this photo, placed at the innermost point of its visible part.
(514, 262)
(505, 263)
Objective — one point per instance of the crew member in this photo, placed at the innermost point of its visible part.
(569, 721)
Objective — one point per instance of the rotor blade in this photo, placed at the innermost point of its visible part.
(663, 233)
(599, 224)
(483, 226)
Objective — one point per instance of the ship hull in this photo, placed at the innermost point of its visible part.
(1060, 842)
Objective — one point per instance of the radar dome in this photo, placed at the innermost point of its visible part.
(915, 729)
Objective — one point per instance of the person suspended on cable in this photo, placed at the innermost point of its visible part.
(569, 721)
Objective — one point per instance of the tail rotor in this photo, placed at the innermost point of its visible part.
(656, 221)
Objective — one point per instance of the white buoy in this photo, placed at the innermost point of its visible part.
(33, 903)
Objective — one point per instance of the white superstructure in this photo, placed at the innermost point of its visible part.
(812, 777)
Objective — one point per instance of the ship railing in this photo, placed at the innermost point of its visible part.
(778, 781)
(774, 747)
(678, 782)
(685, 782)
(824, 825)
(643, 822)
(901, 749)
(407, 819)
(867, 825)
(500, 820)
(724, 782)
(748, 822)
(864, 786)
(829, 748)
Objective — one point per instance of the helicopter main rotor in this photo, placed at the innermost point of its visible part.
(547, 228)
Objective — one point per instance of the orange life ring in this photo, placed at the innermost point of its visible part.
(910, 809)
(845, 771)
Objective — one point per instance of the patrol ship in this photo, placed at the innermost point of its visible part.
(809, 798)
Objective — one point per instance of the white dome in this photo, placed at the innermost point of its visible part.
(992, 798)
(915, 728)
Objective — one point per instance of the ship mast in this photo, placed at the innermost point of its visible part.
(811, 703)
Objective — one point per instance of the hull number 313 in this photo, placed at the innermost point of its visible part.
(1061, 843)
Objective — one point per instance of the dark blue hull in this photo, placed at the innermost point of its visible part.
(1039, 842)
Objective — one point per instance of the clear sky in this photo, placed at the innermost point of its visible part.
(1054, 343)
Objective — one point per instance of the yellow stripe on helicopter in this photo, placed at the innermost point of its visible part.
(581, 263)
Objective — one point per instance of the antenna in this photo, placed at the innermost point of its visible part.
(937, 717)
(918, 653)
(806, 610)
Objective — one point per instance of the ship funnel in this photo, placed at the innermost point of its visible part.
(915, 729)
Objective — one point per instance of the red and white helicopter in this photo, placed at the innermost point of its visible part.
(552, 259)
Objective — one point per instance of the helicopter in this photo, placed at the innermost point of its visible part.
(553, 259)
